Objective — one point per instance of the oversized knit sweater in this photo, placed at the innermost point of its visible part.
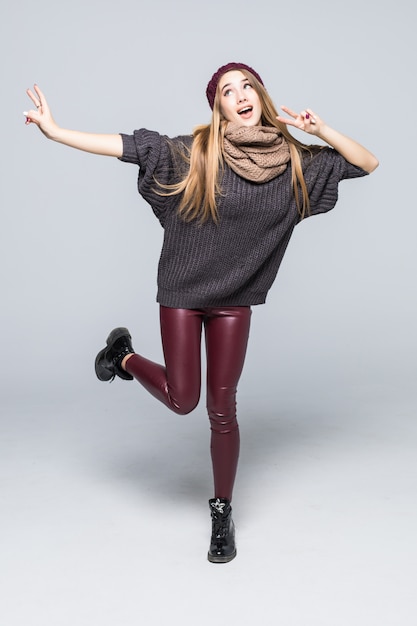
(233, 262)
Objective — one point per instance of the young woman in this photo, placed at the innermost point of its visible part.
(228, 197)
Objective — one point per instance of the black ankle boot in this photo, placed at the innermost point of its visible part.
(222, 544)
(108, 360)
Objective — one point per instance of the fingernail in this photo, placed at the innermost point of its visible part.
(307, 116)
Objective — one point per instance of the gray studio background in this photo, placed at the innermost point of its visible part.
(103, 505)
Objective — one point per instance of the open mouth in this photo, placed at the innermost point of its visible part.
(245, 111)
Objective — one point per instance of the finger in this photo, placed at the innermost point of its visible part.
(286, 120)
(28, 119)
(32, 113)
(31, 96)
(31, 117)
(289, 111)
(309, 115)
(40, 95)
(35, 97)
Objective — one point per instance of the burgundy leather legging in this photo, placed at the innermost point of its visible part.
(178, 383)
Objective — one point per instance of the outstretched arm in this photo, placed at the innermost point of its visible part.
(311, 123)
(107, 145)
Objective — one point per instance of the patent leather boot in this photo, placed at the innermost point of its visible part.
(222, 544)
(108, 361)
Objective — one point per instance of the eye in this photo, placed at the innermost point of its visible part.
(247, 85)
(227, 92)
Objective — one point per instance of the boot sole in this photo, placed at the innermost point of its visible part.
(221, 559)
(102, 372)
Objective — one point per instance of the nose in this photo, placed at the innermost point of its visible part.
(241, 97)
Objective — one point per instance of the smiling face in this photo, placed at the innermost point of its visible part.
(239, 101)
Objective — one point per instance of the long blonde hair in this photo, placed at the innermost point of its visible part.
(201, 187)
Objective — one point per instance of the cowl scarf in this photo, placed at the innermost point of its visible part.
(257, 153)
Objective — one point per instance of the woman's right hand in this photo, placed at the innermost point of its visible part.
(105, 144)
(41, 116)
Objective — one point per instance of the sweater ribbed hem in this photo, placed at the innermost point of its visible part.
(197, 301)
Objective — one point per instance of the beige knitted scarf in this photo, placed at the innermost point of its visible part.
(257, 153)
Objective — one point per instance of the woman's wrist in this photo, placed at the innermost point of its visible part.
(327, 134)
(53, 132)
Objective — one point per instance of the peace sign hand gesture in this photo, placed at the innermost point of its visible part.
(307, 120)
(41, 116)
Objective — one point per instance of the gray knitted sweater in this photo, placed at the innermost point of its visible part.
(234, 262)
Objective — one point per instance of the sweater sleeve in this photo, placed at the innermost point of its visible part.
(322, 173)
(157, 158)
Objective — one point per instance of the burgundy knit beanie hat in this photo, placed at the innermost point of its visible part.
(212, 86)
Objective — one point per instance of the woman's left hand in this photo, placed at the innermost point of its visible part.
(307, 120)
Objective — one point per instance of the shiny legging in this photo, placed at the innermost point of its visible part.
(177, 384)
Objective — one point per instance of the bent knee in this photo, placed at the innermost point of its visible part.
(185, 405)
